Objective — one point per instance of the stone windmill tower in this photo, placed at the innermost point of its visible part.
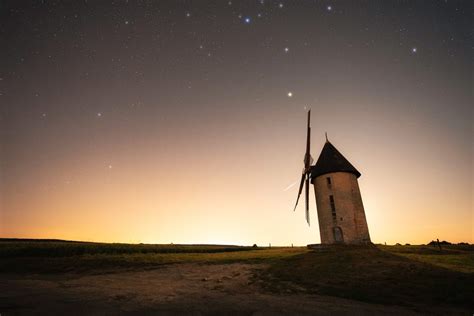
(341, 213)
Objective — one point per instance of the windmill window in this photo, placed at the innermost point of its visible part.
(331, 201)
(328, 180)
(333, 207)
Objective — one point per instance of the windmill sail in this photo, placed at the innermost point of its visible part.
(307, 198)
(300, 189)
(308, 160)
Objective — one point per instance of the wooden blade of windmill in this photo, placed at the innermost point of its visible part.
(307, 160)
(307, 197)
(300, 189)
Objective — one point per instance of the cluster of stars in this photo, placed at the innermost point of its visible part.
(246, 19)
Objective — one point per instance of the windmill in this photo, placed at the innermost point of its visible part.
(305, 177)
(341, 214)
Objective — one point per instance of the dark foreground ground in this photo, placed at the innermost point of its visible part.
(52, 277)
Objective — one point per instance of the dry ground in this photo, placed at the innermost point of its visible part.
(185, 288)
(71, 278)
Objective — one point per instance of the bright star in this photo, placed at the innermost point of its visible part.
(247, 20)
(188, 14)
(290, 94)
(280, 5)
(413, 50)
(99, 114)
(286, 49)
(329, 8)
(126, 22)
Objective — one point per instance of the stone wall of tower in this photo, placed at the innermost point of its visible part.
(349, 210)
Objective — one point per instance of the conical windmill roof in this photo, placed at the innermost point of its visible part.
(331, 160)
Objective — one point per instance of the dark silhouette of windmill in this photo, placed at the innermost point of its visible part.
(305, 177)
(341, 214)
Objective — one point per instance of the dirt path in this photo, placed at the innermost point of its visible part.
(196, 289)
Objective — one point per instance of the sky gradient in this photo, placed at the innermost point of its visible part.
(171, 121)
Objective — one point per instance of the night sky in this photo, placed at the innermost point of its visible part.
(184, 121)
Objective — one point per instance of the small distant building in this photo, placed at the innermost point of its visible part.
(341, 213)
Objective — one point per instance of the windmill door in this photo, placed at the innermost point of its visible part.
(338, 237)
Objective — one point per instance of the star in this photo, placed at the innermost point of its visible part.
(247, 20)
(280, 5)
(110, 166)
(329, 8)
(43, 115)
(99, 114)
(126, 22)
(286, 49)
(188, 14)
(290, 94)
(414, 50)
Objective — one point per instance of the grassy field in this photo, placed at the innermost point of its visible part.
(401, 275)
(62, 248)
(53, 256)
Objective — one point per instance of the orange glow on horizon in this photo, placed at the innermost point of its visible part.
(225, 196)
